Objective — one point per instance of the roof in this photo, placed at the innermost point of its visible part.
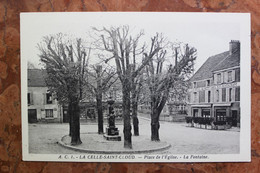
(230, 61)
(36, 78)
(205, 71)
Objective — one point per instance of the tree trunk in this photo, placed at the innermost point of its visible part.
(155, 125)
(135, 118)
(75, 124)
(70, 115)
(126, 114)
(100, 112)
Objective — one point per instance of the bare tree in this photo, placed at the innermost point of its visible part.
(136, 87)
(123, 47)
(99, 81)
(160, 81)
(65, 63)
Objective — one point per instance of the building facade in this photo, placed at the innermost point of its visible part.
(41, 105)
(215, 88)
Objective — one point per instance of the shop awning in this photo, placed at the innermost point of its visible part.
(201, 106)
(222, 104)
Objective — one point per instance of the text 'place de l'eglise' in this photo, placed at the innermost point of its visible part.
(212, 100)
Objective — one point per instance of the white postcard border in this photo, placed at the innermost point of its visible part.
(245, 102)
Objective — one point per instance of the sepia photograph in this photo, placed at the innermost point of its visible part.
(135, 87)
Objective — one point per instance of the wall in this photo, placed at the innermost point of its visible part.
(39, 103)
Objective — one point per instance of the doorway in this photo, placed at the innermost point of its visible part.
(32, 115)
(234, 118)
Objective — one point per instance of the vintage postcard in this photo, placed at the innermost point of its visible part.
(135, 87)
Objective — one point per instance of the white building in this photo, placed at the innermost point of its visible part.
(41, 105)
(215, 87)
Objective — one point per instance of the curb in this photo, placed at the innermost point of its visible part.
(167, 146)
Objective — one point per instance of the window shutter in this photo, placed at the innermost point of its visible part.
(31, 98)
(233, 94)
(227, 95)
(233, 75)
(225, 77)
(44, 98)
(55, 113)
(43, 113)
(220, 94)
(221, 77)
(191, 98)
(206, 96)
(215, 78)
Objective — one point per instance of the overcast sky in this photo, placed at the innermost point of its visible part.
(209, 33)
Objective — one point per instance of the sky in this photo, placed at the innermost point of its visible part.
(209, 33)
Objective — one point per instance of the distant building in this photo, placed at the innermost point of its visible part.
(41, 105)
(175, 108)
(215, 88)
(88, 105)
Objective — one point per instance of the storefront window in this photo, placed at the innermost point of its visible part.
(195, 112)
(206, 113)
(221, 114)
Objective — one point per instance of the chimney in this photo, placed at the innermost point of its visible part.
(234, 46)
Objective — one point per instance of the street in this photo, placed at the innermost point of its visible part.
(43, 138)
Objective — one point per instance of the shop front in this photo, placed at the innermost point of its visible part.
(201, 111)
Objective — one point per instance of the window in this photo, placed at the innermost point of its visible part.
(202, 96)
(230, 94)
(194, 84)
(195, 97)
(49, 113)
(223, 94)
(49, 98)
(217, 95)
(29, 98)
(220, 115)
(209, 95)
(207, 82)
(205, 113)
(188, 97)
(230, 76)
(195, 112)
(237, 94)
(219, 78)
